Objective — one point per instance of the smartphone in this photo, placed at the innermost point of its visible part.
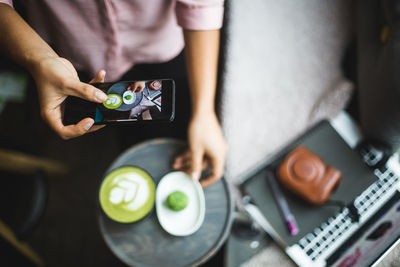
(128, 101)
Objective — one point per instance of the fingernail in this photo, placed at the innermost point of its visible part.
(103, 74)
(101, 96)
(195, 176)
(88, 125)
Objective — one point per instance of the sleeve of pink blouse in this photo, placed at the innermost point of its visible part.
(8, 2)
(200, 14)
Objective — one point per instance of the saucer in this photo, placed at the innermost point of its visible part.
(188, 220)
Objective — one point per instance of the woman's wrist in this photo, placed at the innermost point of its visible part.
(203, 113)
(203, 104)
(35, 64)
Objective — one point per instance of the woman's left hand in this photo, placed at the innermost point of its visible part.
(207, 147)
(136, 87)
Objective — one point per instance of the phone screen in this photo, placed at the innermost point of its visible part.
(127, 101)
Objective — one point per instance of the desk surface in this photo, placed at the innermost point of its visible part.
(145, 243)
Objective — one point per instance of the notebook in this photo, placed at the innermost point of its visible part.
(328, 236)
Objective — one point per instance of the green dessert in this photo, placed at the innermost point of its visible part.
(177, 201)
(128, 97)
(127, 194)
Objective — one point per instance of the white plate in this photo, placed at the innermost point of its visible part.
(132, 100)
(188, 220)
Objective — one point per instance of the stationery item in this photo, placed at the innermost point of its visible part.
(307, 175)
(283, 206)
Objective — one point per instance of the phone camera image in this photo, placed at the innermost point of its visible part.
(127, 101)
(138, 100)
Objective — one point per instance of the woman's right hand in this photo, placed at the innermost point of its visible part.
(56, 78)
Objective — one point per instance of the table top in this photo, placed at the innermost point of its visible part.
(145, 243)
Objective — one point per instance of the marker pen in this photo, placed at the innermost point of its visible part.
(283, 206)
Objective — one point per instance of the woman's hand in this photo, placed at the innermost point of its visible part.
(56, 78)
(207, 147)
(136, 87)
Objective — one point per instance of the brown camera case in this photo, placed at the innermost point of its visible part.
(307, 175)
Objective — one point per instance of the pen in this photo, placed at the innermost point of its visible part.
(287, 214)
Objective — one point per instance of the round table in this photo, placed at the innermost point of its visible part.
(145, 243)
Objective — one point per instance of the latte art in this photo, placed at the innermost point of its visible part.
(127, 194)
(113, 101)
(130, 191)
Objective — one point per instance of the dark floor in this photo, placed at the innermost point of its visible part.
(68, 233)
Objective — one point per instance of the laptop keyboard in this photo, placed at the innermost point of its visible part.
(340, 226)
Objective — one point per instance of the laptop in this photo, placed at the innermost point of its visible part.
(328, 234)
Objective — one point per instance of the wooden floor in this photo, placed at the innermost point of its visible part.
(68, 233)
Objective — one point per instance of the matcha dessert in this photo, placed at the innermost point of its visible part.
(177, 201)
(127, 194)
(129, 97)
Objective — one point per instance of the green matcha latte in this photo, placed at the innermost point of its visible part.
(127, 194)
(113, 101)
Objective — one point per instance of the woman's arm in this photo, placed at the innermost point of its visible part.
(55, 77)
(21, 42)
(206, 141)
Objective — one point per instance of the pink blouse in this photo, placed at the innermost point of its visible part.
(116, 34)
